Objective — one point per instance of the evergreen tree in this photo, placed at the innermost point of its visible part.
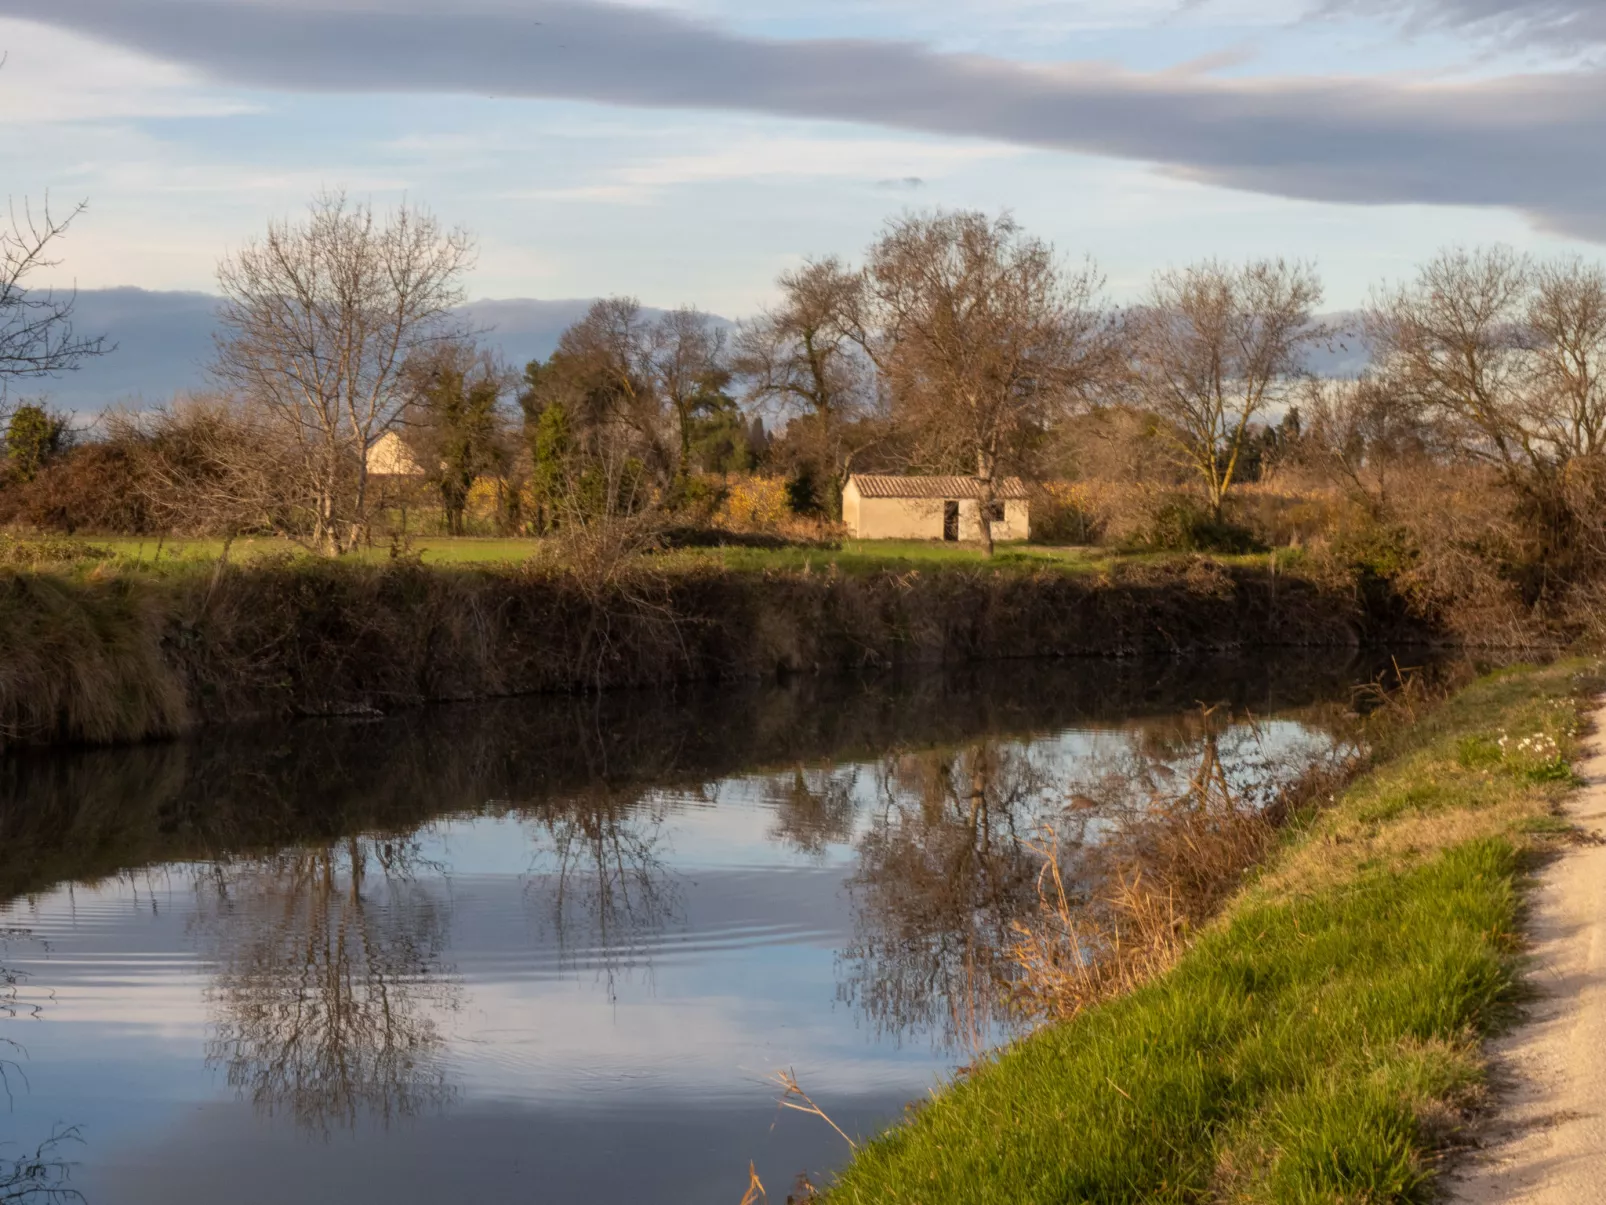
(34, 438)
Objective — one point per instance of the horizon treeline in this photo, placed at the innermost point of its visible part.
(958, 343)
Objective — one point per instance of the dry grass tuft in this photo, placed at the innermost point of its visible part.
(1145, 885)
(84, 660)
(755, 1194)
(793, 1093)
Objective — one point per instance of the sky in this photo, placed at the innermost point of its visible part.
(686, 151)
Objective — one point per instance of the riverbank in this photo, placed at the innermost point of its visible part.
(1322, 1041)
(107, 653)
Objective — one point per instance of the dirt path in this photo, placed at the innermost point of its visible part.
(1546, 1145)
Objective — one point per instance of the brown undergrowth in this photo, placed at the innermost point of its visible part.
(107, 654)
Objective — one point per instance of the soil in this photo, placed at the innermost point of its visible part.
(1545, 1141)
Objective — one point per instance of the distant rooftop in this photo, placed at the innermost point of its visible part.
(933, 487)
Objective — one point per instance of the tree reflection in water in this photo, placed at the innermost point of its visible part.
(331, 989)
(40, 1176)
(608, 891)
(332, 996)
(814, 807)
(943, 870)
(330, 985)
(948, 861)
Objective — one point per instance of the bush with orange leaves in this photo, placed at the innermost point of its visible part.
(754, 504)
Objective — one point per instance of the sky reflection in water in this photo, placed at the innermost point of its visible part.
(550, 950)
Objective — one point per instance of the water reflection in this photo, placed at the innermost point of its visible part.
(75, 816)
(943, 870)
(815, 807)
(533, 913)
(329, 981)
(600, 875)
(40, 1174)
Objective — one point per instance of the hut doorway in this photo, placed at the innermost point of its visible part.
(950, 520)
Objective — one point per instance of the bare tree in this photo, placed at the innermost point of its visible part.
(1363, 436)
(37, 338)
(602, 375)
(688, 368)
(1566, 320)
(1455, 343)
(801, 356)
(1216, 346)
(1507, 355)
(318, 319)
(981, 338)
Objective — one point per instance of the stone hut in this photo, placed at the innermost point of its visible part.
(931, 508)
(389, 456)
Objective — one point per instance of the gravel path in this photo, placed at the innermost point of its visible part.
(1546, 1142)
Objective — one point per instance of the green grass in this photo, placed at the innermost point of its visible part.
(440, 550)
(853, 556)
(865, 556)
(1315, 1044)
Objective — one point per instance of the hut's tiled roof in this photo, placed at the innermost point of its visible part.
(934, 487)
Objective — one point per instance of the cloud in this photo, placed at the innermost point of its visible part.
(1567, 25)
(1518, 141)
(107, 82)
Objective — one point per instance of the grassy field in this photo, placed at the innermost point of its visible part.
(863, 556)
(1320, 1042)
(853, 556)
(441, 550)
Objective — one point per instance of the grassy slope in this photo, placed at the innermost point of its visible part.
(1314, 1044)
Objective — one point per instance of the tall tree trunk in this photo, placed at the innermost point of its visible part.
(359, 518)
(323, 531)
(683, 470)
(989, 493)
(324, 536)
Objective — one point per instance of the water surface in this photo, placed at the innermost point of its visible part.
(552, 950)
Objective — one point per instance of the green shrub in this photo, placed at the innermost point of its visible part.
(803, 493)
(1478, 752)
(696, 498)
(1183, 525)
(1377, 550)
(17, 552)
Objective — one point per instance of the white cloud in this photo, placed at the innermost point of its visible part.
(1508, 141)
(51, 75)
